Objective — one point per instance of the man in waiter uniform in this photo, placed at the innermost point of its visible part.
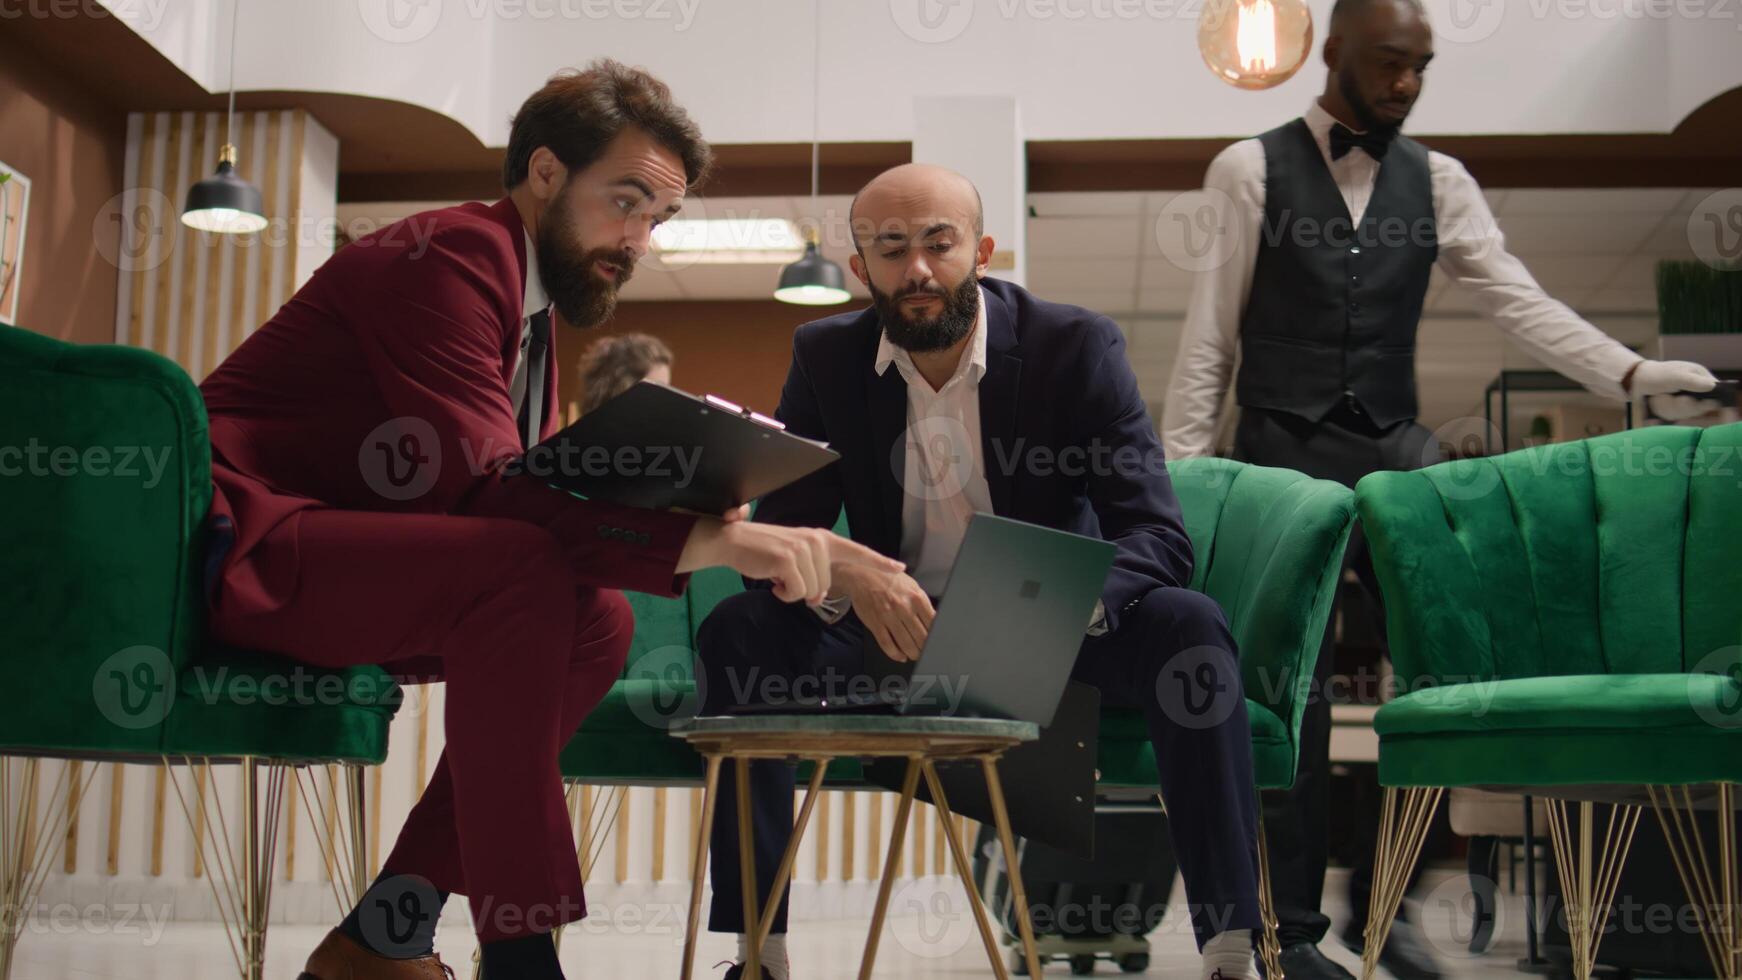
(365, 511)
(1336, 221)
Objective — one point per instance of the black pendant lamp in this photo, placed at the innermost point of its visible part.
(813, 280)
(224, 202)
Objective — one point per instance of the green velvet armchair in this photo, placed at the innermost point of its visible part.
(105, 478)
(1565, 621)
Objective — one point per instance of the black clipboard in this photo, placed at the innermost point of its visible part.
(657, 447)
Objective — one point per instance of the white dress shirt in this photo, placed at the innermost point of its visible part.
(532, 300)
(943, 476)
(1472, 252)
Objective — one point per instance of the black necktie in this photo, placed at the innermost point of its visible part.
(537, 353)
(1344, 139)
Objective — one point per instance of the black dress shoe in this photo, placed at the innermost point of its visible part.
(1303, 961)
(1406, 955)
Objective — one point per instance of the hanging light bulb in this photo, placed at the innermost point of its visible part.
(224, 202)
(813, 280)
(1255, 44)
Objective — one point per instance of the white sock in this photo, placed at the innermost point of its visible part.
(773, 954)
(1229, 953)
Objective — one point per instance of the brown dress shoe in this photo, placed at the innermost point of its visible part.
(338, 957)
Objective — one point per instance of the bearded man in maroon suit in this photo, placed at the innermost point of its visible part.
(367, 511)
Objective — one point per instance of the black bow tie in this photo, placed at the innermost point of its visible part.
(1344, 139)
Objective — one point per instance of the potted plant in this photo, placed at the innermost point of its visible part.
(1699, 312)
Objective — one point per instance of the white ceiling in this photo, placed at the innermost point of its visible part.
(1596, 250)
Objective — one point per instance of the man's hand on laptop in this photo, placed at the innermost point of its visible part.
(891, 605)
(802, 562)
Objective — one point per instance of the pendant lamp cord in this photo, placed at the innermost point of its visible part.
(816, 99)
(230, 117)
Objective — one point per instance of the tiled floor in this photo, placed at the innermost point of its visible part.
(921, 944)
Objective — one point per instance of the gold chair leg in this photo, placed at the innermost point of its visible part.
(28, 853)
(1713, 894)
(240, 875)
(1589, 894)
(1012, 866)
(337, 830)
(699, 871)
(1269, 947)
(1403, 827)
(965, 869)
(357, 815)
(897, 836)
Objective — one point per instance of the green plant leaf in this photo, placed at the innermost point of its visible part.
(4, 177)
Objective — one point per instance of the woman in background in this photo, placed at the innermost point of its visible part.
(612, 365)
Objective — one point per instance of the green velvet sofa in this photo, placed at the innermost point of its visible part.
(105, 480)
(1565, 621)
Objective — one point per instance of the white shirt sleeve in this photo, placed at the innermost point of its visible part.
(833, 609)
(1473, 254)
(1191, 413)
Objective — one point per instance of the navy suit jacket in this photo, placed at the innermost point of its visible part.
(1066, 440)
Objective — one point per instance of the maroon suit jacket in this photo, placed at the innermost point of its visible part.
(382, 385)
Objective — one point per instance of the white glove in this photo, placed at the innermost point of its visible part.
(1678, 408)
(1665, 380)
(1670, 377)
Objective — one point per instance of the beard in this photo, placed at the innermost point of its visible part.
(961, 307)
(582, 296)
(1363, 109)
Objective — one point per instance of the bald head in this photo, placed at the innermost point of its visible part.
(921, 245)
(1377, 52)
(915, 190)
(1347, 12)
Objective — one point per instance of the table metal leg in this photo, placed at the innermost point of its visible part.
(747, 867)
(783, 874)
(1013, 867)
(897, 837)
(966, 870)
(699, 873)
